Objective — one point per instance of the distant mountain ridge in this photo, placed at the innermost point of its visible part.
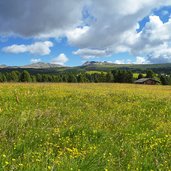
(3, 66)
(38, 65)
(96, 63)
(111, 64)
(88, 66)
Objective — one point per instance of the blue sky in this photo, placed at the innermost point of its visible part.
(91, 36)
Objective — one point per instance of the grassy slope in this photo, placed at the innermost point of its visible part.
(84, 126)
(95, 72)
(135, 75)
(133, 67)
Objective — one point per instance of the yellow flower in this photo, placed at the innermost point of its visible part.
(49, 167)
(4, 155)
(6, 162)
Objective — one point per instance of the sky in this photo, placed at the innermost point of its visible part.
(71, 32)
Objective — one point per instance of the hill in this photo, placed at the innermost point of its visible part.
(88, 66)
(41, 65)
(105, 66)
(3, 66)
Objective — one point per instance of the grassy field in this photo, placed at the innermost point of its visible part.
(135, 75)
(95, 72)
(85, 127)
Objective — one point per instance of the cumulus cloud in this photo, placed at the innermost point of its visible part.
(115, 30)
(153, 44)
(40, 17)
(141, 60)
(138, 60)
(76, 34)
(96, 27)
(39, 48)
(61, 59)
(90, 53)
(35, 60)
(114, 19)
(121, 61)
(154, 41)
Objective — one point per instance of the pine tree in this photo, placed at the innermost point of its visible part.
(25, 76)
(140, 76)
(14, 76)
(72, 78)
(109, 77)
(149, 74)
(39, 77)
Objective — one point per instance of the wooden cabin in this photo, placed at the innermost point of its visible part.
(147, 81)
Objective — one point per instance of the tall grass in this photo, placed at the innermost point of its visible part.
(86, 127)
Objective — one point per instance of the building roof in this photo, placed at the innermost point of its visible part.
(142, 80)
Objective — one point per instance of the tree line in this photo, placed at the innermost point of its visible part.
(115, 76)
(25, 76)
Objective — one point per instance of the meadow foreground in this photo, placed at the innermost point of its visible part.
(86, 127)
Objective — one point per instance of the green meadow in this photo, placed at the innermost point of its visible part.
(85, 127)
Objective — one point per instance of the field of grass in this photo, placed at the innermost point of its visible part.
(85, 127)
(135, 75)
(95, 72)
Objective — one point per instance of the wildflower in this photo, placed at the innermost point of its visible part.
(4, 155)
(6, 162)
(94, 131)
(38, 160)
(49, 167)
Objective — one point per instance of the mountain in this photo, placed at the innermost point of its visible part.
(107, 66)
(3, 66)
(88, 63)
(41, 65)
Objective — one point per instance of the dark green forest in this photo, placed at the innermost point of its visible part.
(114, 76)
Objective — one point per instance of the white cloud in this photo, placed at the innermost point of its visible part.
(90, 53)
(138, 60)
(122, 61)
(114, 31)
(141, 60)
(75, 35)
(114, 21)
(61, 59)
(35, 60)
(39, 18)
(39, 48)
(108, 27)
(154, 41)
